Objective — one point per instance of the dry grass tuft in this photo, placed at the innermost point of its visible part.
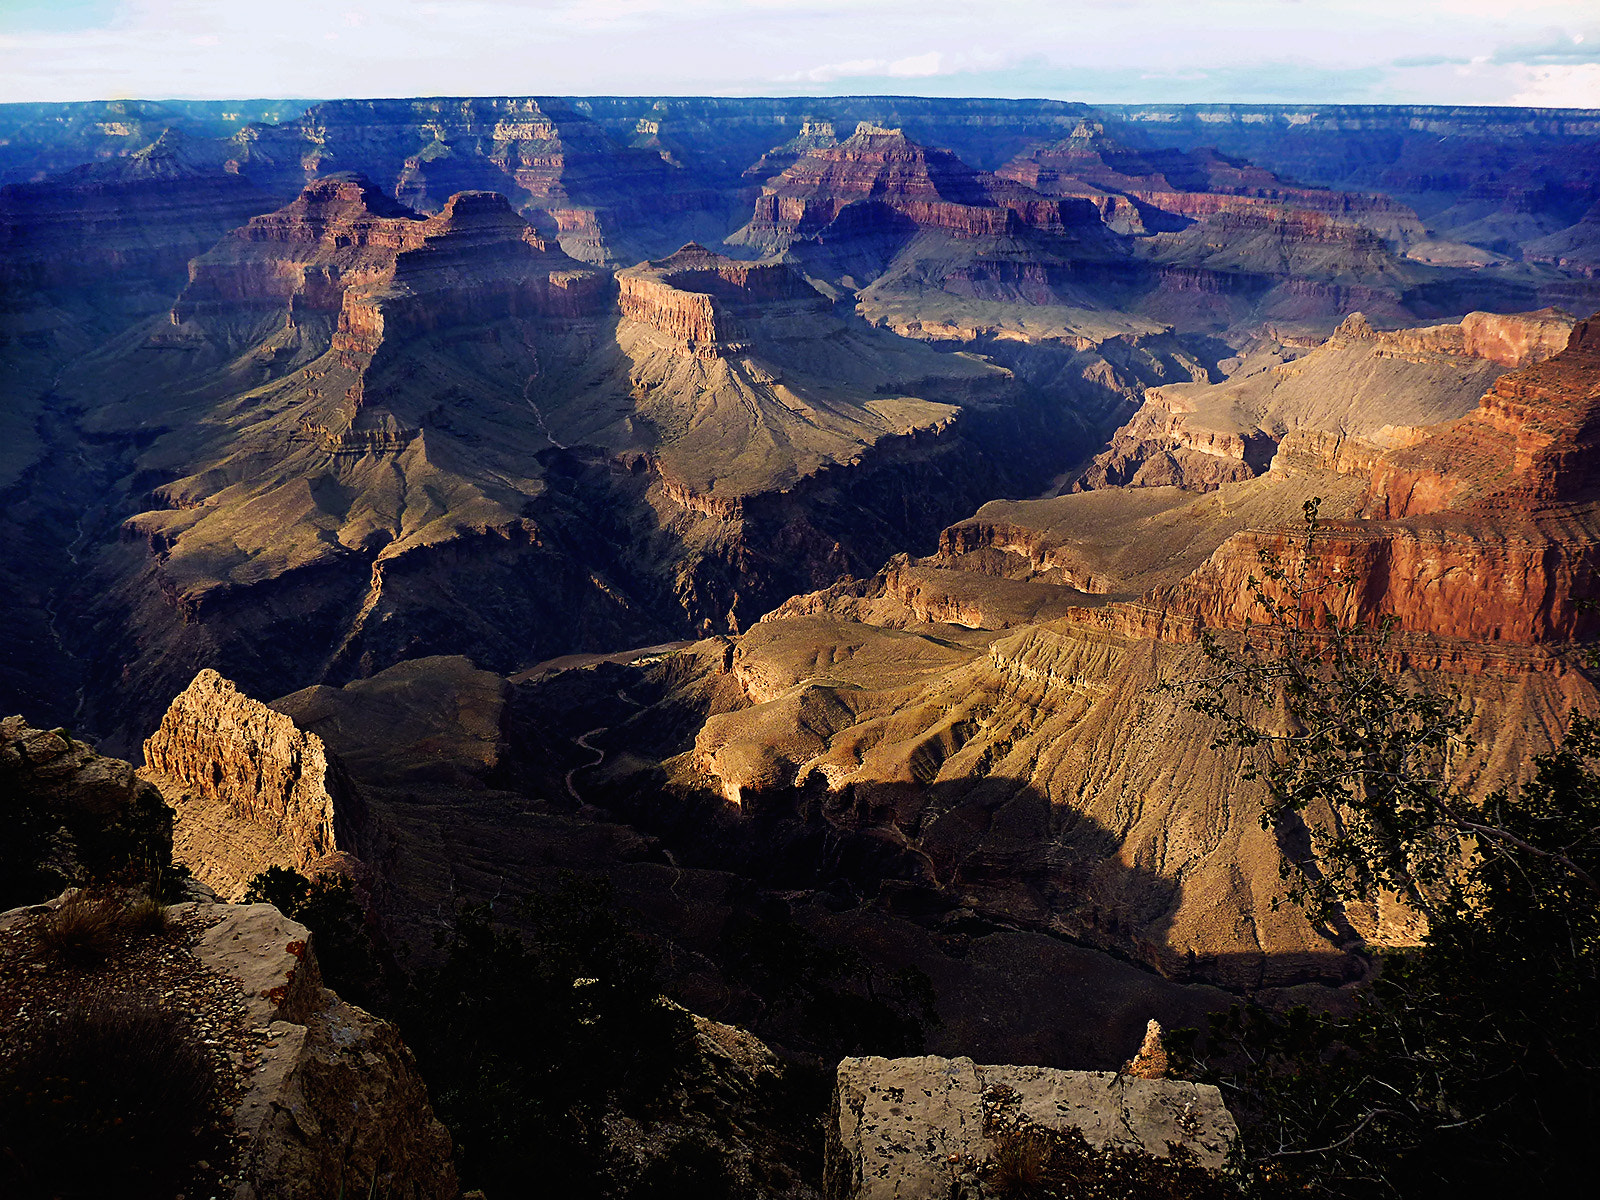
(86, 929)
(89, 927)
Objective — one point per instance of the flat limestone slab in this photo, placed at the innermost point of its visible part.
(913, 1128)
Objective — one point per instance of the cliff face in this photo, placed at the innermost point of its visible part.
(1362, 387)
(250, 789)
(1526, 447)
(698, 297)
(335, 1096)
(1163, 188)
(73, 816)
(1448, 154)
(601, 197)
(132, 224)
(927, 188)
(1028, 764)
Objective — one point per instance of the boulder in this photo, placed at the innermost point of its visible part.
(914, 1128)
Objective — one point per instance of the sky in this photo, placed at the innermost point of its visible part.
(1523, 52)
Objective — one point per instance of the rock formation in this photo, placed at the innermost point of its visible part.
(335, 1097)
(73, 815)
(1146, 189)
(250, 789)
(910, 1127)
(1372, 390)
(323, 1097)
(132, 222)
(926, 188)
(1028, 765)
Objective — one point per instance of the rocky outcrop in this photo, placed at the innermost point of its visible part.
(250, 789)
(731, 1105)
(907, 1128)
(72, 815)
(318, 1097)
(334, 1102)
(699, 298)
(1527, 447)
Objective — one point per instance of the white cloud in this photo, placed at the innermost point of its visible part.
(919, 66)
(1373, 50)
(1564, 85)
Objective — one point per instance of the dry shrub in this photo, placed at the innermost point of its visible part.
(1017, 1168)
(89, 927)
(118, 1101)
(146, 917)
(85, 929)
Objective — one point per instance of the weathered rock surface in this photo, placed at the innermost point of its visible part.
(133, 223)
(1030, 765)
(335, 1103)
(325, 1099)
(1149, 188)
(909, 1128)
(251, 790)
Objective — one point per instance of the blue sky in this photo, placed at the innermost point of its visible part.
(1542, 52)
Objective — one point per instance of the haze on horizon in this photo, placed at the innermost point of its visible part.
(1546, 53)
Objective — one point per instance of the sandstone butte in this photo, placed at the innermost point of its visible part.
(249, 789)
(929, 188)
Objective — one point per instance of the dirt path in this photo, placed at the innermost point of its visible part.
(599, 757)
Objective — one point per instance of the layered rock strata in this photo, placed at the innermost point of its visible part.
(1032, 764)
(1147, 189)
(926, 188)
(699, 297)
(251, 790)
(1368, 388)
(130, 224)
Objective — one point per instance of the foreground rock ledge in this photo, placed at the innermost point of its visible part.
(336, 1095)
(906, 1128)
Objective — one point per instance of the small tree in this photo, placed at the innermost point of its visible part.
(1361, 752)
(1471, 1060)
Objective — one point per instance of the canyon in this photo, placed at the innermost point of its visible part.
(798, 514)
